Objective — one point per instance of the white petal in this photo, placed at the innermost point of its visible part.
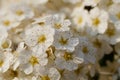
(28, 69)
(15, 66)
(54, 74)
(78, 60)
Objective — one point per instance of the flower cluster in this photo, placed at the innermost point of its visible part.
(59, 39)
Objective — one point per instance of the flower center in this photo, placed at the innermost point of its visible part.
(57, 25)
(109, 3)
(6, 22)
(1, 63)
(19, 12)
(97, 43)
(13, 73)
(80, 20)
(85, 50)
(118, 15)
(41, 39)
(41, 23)
(63, 41)
(45, 78)
(96, 22)
(67, 56)
(5, 45)
(33, 60)
(110, 31)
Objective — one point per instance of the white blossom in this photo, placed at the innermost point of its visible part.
(21, 11)
(5, 61)
(80, 20)
(69, 60)
(39, 38)
(58, 22)
(65, 41)
(98, 21)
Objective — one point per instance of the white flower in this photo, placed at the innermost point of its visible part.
(102, 46)
(5, 44)
(81, 72)
(6, 59)
(8, 21)
(58, 22)
(99, 21)
(59, 39)
(22, 11)
(14, 75)
(111, 35)
(30, 61)
(80, 20)
(114, 13)
(65, 41)
(89, 69)
(27, 60)
(69, 61)
(87, 48)
(51, 74)
(39, 37)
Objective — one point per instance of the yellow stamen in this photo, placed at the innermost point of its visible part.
(33, 60)
(96, 22)
(80, 20)
(118, 15)
(6, 22)
(45, 78)
(5, 45)
(57, 25)
(63, 41)
(13, 73)
(109, 3)
(85, 50)
(19, 12)
(1, 63)
(97, 43)
(41, 39)
(110, 32)
(41, 23)
(67, 56)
